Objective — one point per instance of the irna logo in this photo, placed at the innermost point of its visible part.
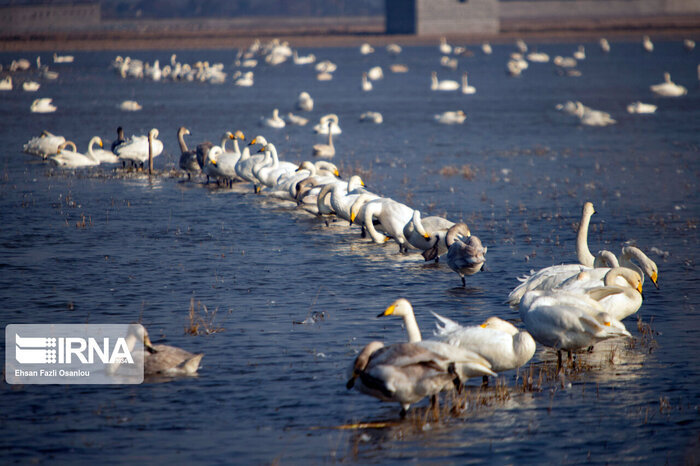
(49, 350)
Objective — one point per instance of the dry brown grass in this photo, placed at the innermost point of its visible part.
(201, 320)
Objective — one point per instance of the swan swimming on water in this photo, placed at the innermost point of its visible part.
(322, 127)
(273, 122)
(43, 105)
(444, 85)
(668, 88)
(305, 102)
(452, 117)
(326, 150)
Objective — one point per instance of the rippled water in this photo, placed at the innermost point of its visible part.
(272, 390)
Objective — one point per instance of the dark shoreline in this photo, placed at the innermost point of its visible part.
(558, 30)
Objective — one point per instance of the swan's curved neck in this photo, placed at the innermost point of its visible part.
(582, 252)
(90, 153)
(321, 199)
(223, 143)
(418, 224)
(412, 329)
(236, 149)
(181, 140)
(626, 260)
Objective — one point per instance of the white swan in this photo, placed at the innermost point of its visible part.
(392, 216)
(551, 277)
(521, 45)
(366, 49)
(326, 66)
(393, 49)
(43, 105)
(63, 58)
(451, 117)
(305, 102)
(366, 85)
(325, 150)
(226, 162)
(375, 73)
(6, 83)
(130, 106)
(246, 79)
(342, 196)
(65, 158)
(322, 127)
(619, 305)
(465, 253)
(538, 57)
(466, 88)
(247, 162)
(303, 60)
(273, 122)
(101, 155)
(565, 62)
(590, 117)
(444, 85)
(580, 53)
(297, 120)
(449, 63)
(444, 47)
(604, 45)
(30, 86)
(499, 342)
(640, 107)
(135, 149)
(372, 117)
(471, 363)
(271, 168)
(567, 321)
(428, 234)
(486, 48)
(647, 44)
(668, 88)
(44, 145)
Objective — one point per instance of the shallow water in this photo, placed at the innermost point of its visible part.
(270, 389)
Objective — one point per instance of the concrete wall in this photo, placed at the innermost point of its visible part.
(596, 8)
(442, 17)
(43, 18)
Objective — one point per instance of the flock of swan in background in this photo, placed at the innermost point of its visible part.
(567, 307)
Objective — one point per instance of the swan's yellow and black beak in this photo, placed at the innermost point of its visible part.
(253, 142)
(388, 311)
(213, 162)
(426, 236)
(337, 173)
(654, 278)
(352, 216)
(101, 145)
(639, 287)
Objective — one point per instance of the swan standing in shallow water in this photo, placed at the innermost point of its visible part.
(551, 277)
(188, 158)
(668, 88)
(444, 85)
(567, 321)
(471, 363)
(404, 373)
(619, 305)
(428, 234)
(136, 149)
(392, 216)
(499, 342)
(465, 254)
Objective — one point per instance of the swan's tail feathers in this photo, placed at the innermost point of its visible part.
(525, 278)
(447, 327)
(192, 364)
(473, 369)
